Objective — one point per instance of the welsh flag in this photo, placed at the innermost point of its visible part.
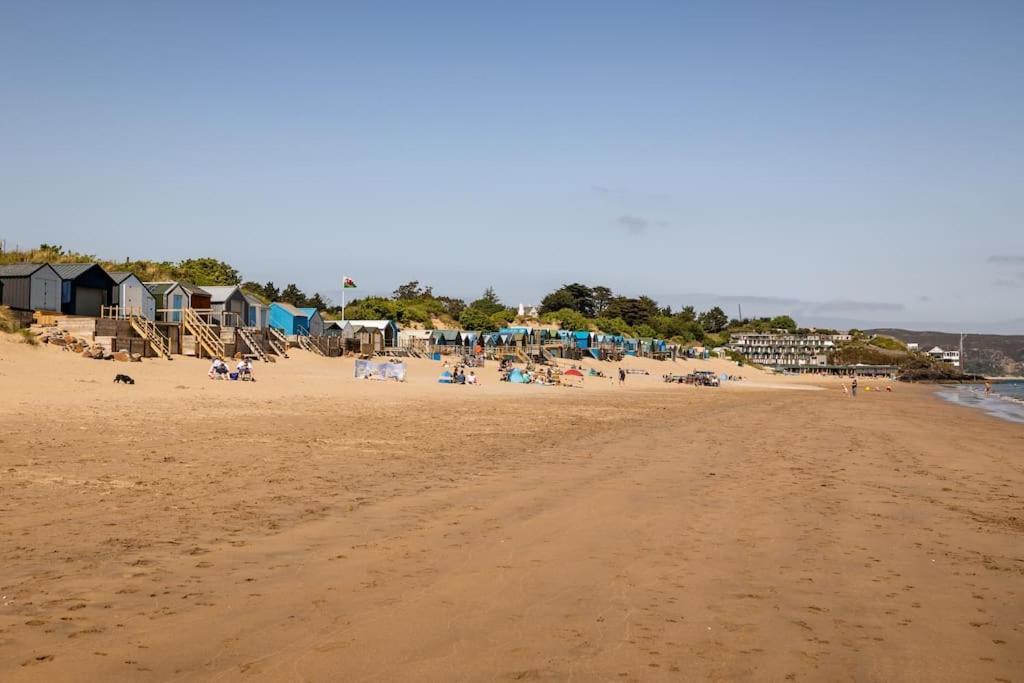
(348, 283)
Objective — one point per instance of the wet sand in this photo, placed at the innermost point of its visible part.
(319, 528)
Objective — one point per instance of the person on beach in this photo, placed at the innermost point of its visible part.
(218, 369)
(244, 369)
(853, 388)
(988, 388)
(622, 376)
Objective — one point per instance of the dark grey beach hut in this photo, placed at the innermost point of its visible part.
(85, 288)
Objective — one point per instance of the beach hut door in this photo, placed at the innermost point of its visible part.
(176, 305)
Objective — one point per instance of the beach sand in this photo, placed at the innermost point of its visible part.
(315, 527)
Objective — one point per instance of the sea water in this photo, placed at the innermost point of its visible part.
(1006, 400)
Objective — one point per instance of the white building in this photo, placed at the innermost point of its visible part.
(951, 357)
(787, 348)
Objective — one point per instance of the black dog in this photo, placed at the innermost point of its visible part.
(123, 379)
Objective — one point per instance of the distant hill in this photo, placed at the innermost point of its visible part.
(984, 354)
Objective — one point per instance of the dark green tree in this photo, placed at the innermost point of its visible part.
(208, 271)
(293, 295)
(782, 322)
(602, 296)
(714, 320)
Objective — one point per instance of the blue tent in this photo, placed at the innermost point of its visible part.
(516, 376)
(445, 378)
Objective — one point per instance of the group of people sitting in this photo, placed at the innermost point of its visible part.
(531, 375)
(459, 375)
(220, 370)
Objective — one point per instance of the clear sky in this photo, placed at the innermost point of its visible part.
(855, 161)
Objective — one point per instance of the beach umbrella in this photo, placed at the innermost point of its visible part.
(573, 372)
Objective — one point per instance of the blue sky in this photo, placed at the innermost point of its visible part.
(842, 161)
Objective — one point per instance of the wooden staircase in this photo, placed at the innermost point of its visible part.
(256, 349)
(278, 342)
(206, 339)
(307, 344)
(148, 330)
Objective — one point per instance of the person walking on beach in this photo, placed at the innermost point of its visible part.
(853, 388)
(622, 377)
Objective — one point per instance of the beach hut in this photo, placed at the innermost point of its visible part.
(388, 328)
(446, 338)
(334, 328)
(132, 296)
(30, 287)
(582, 339)
(174, 296)
(314, 322)
(229, 305)
(85, 288)
(288, 318)
(257, 312)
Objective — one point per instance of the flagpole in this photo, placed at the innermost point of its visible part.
(343, 298)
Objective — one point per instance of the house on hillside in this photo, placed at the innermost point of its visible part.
(288, 319)
(258, 313)
(173, 297)
(30, 287)
(132, 296)
(85, 288)
(946, 356)
(228, 305)
(314, 322)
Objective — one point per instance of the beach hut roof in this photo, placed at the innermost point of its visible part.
(120, 276)
(164, 286)
(69, 271)
(221, 294)
(309, 312)
(447, 335)
(289, 309)
(379, 324)
(20, 269)
(252, 299)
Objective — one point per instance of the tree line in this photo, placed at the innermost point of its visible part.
(572, 306)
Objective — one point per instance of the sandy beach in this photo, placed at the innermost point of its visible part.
(315, 527)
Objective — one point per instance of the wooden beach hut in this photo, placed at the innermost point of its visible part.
(334, 328)
(388, 328)
(30, 287)
(314, 322)
(257, 313)
(173, 297)
(229, 305)
(446, 338)
(85, 288)
(132, 296)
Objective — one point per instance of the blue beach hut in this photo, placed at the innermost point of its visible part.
(288, 318)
